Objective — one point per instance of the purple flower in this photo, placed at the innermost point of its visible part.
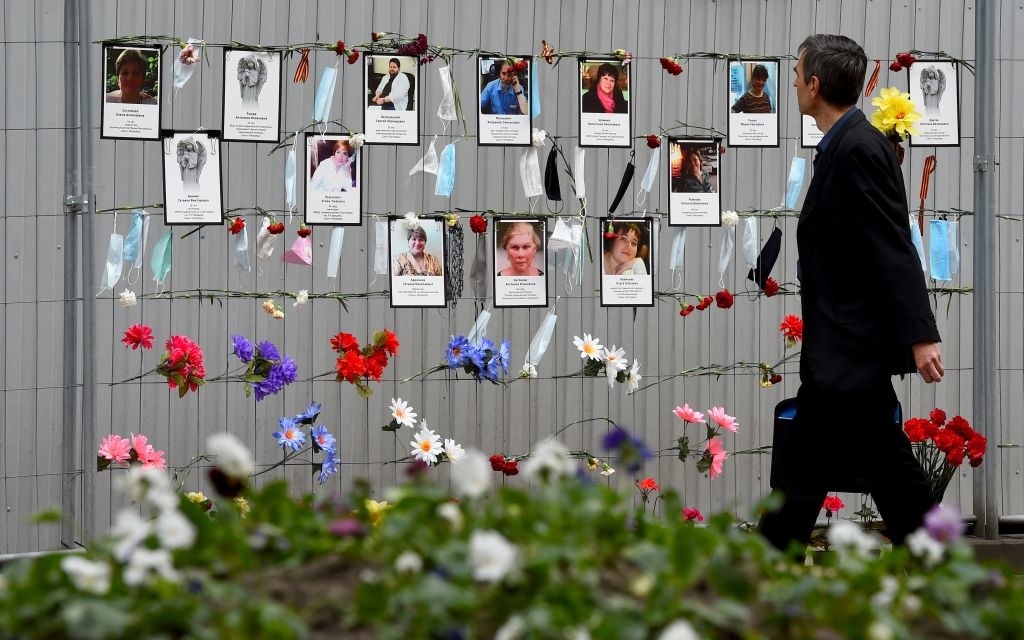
(347, 528)
(506, 354)
(268, 351)
(944, 523)
(243, 348)
(329, 466)
(631, 450)
(279, 376)
(458, 351)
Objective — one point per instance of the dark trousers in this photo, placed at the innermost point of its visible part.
(837, 437)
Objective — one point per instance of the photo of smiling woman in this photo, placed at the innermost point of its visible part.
(519, 259)
(417, 262)
(131, 93)
(754, 103)
(626, 259)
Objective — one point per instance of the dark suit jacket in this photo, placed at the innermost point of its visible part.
(863, 293)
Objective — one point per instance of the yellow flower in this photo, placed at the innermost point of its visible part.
(376, 510)
(896, 114)
(196, 497)
(242, 505)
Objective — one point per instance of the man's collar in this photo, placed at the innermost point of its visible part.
(831, 133)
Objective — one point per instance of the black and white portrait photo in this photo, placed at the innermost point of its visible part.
(504, 105)
(605, 92)
(627, 262)
(333, 193)
(192, 178)
(694, 182)
(417, 265)
(753, 91)
(391, 114)
(933, 88)
(252, 95)
(520, 262)
(131, 93)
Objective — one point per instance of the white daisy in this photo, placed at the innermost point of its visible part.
(426, 446)
(402, 413)
(589, 347)
(614, 362)
(453, 450)
(633, 376)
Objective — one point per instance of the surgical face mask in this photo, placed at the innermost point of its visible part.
(446, 110)
(161, 260)
(446, 172)
(795, 182)
(241, 250)
(428, 163)
(112, 267)
(325, 95)
(289, 180)
(529, 173)
(134, 237)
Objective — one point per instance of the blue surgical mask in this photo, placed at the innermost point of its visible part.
(795, 182)
(915, 237)
(289, 180)
(134, 237)
(161, 260)
(446, 172)
(325, 95)
(938, 249)
(534, 91)
(112, 267)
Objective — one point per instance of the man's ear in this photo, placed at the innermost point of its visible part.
(813, 85)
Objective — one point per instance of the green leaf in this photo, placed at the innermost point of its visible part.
(392, 426)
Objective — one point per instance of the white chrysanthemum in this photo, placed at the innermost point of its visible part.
(925, 547)
(231, 456)
(453, 450)
(426, 446)
(452, 514)
(491, 556)
(408, 562)
(538, 137)
(549, 461)
(411, 220)
(86, 575)
(403, 413)
(847, 537)
(174, 530)
(357, 140)
(633, 377)
(730, 219)
(679, 630)
(144, 563)
(528, 371)
(471, 477)
(589, 347)
(127, 299)
(301, 298)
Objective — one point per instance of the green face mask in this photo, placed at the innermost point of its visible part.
(161, 260)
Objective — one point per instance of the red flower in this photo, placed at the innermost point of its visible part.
(353, 56)
(916, 429)
(350, 366)
(376, 35)
(955, 457)
(182, 365)
(510, 467)
(374, 364)
(775, 379)
(138, 335)
(938, 416)
(389, 342)
(478, 224)
(497, 462)
(342, 342)
(648, 484)
(946, 441)
(653, 141)
(304, 232)
(692, 514)
(960, 427)
(895, 66)
(832, 504)
(771, 287)
(792, 328)
(237, 225)
(976, 447)
(723, 299)
(687, 310)
(905, 59)
(340, 48)
(276, 228)
(671, 66)
(520, 65)
(705, 303)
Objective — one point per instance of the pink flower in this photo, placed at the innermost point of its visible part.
(686, 414)
(718, 455)
(832, 505)
(115, 448)
(692, 514)
(722, 419)
(151, 458)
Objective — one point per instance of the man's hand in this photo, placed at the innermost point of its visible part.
(928, 360)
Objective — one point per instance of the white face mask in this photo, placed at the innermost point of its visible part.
(112, 267)
(446, 110)
(241, 251)
(529, 173)
(750, 242)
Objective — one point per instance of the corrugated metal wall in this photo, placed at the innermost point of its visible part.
(506, 418)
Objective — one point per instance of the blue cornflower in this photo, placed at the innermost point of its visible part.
(506, 354)
(322, 439)
(268, 351)
(290, 435)
(243, 348)
(330, 466)
(309, 415)
(458, 352)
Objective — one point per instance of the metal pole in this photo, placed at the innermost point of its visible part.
(72, 209)
(87, 268)
(985, 319)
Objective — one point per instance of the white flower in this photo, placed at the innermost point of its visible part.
(614, 362)
(86, 575)
(549, 461)
(607, 470)
(633, 377)
(145, 562)
(231, 456)
(491, 556)
(174, 530)
(127, 299)
(453, 450)
(883, 599)
(679, 630)
(402, 413)
(879, 630)
(539, 135)
(408, 562)
(528, 371)
(357, 140)
(301, 298)
(128, 532)
(589, 347)
(150, 485)
(922, 545)
(511, 630)
(411, 220)
(730, 219)
(450, 513)
(471, 477)
(426, 446)
(845, 536)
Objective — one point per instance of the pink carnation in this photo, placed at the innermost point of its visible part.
(686, 414)
(718, 455)
(693, 514)
(722, 419)
(116, 449)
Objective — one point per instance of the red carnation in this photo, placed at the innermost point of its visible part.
(610, 235)
(705, 303)
(237, 225)
(304, 232)
(388, 341)
(905, 59)
(692, 514)
(138, 335)
(687, 310)
(653, 141)
(976, 448)
(340, 48)
(671, 66)
(723, 299)
(376, 35)
(478, 224)
(497, 461)
(938, 416)
(946, 441)
(510, 468)
(520, 65)
(955, 457)
(792, 328)
(353, 56)
(833, 504)
(648, 484)
(895, 66)
(916, 429)
(771, 287)
(350, 366)
(960, 427)
(775, 379)
(344, 342)
(276, 228)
